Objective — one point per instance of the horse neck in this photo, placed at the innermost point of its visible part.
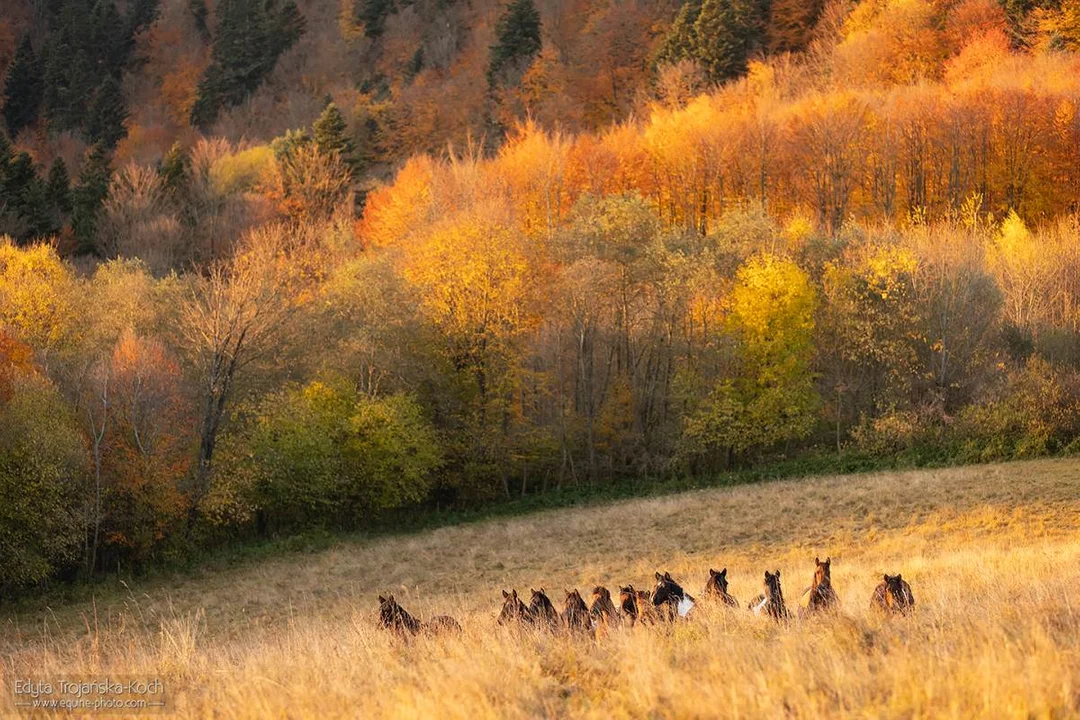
(404, 619)
(512, 610)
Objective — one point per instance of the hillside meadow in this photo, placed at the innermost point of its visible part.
(990, 551)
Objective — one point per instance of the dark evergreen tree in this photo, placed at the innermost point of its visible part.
(69, 87)
(6, 154)
(26, 198)
(331, 136)
(372, 15)
(198, 11)
(251, 36)
(286, 144)
(41, 220)
(23, 88)
(107, 115)
(59, 187)
(724, 33)
(517, 42)
(680, 43)
(288, 27)
(719, 35)
(141, 14)
(112, 42)
(20, 171)
(93, 187)
(415, 65)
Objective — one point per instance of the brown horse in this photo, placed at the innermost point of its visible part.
(669, 598)
(542, 610)
(637, 606)
(396, 619)
(717, 588)
(893, 596)
(820, 596)
(514, 611)
(771, 603)
(575, 615)
(603, 609)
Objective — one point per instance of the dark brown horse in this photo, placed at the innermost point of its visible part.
(603, 609)
(771, 603)
(542, 610)
(717, 588)
(514, 611)
(893, 596)
(575, 615)
(636, 606)
(820, 596)
(669, 598)
(396, 619)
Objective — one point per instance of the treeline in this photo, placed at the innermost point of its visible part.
(310, 378)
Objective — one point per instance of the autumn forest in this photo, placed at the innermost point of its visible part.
(268, 267)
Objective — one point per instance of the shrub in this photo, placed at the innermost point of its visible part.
(41, 464)
(1037, 413)
(324, 453)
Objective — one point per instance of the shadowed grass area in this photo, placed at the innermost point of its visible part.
(991, 553)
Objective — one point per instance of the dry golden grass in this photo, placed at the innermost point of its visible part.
(991, 553)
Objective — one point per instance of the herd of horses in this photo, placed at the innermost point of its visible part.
(667, 602)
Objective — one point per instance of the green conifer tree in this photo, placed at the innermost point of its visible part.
(723, 36)
(517, 42)
(251, 36)
(93, 187)
(331, 136)
(23, 88)
(59, 187)
(107, 114)
(680, 43)
(372, 16)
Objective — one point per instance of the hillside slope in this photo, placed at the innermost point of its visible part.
(990, 552)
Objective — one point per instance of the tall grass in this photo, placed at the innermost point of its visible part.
(991, 553)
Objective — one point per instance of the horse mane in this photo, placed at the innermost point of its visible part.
(394, 617)
(514, 609)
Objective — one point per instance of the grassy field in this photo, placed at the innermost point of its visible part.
(992, 554)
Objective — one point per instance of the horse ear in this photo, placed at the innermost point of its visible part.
(723, 573)
(713, 572)
(513, 593)
(667, 576)
(659, 576)
(817, 560)
(506, 594)
(828, 560)
(382, 599)
(391, 598)
(777, 572)
(886, 577)
(898, 577)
